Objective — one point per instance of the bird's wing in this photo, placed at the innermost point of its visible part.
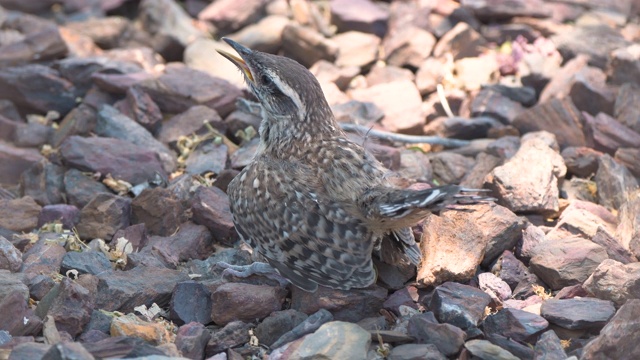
(310, 239)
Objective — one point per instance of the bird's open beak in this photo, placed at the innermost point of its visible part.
(238, 61)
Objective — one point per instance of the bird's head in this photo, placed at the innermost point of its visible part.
(287, 91)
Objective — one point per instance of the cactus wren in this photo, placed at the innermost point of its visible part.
(314, 204)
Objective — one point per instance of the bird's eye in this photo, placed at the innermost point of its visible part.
(266, 80)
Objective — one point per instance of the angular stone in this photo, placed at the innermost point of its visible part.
(132, 326)
(16, 316)
(361, 15)
(189, 122)
(556, 262)
(238, 301)
(307, 46)
(191, 340)
(179, 88)
(617, 339)
(408, 47)
(483, 349)
(229, 16)
(159, 209)
(581, 161)
(449, 167)
(624, 65)
(608, 134)
(560, 117)
(37, 89)
(494, 286)
(334, 339)
(597, 41)
(67, 215)
(493, 103)
(630, 158)
(614, 281)
(81, 189)
(43, 258)
(15, 161)
(356, 49)
(68, 350)
(508, 268)
(380, 74)
(624, 111)
(353, 305)
(516, 324)
(10, 257)
(119, 158)
(210, 207)
(584, 313)
(277, 324)
(528, 182)
(549, 347)
(416, 352)
(69, 304)
(122, 347)
(446, 337)
(86, 262)
(614, 182)
(232, 335)
(20, 215)
(449, 252)
(401, 103)
(459, 305)
(113, 124)
(103, 216)
(124, 290)
(461, 41)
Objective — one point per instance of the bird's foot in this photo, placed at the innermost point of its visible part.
(257, 268)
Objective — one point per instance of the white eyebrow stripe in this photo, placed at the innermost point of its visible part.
(292, 94)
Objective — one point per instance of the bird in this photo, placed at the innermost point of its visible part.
(313, 204)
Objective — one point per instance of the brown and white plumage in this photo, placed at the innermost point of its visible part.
(313, 203)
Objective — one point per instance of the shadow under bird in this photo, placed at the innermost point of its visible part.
(315, 205)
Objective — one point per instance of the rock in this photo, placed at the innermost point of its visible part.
(29, 350)
(409, 47)
(20, 215)
(483, 349)
(473, 72)
(446, 337)
(250, 301)
(189, 241)
(630, 158)
(232, 335)
(614, 182)
(69, 304)
(81, 189)
(461, 41)
(602, 40)
(451, 303)
(361, 15)
(416, 352)
(352, 305)
(86, 262)
(516, 324)
(581, 161)
(450, 253)
(528, 182)
(429, 75)
(15, 161)
(401, 103)
(10, 257)
(384, 73)
(124, 290)
(67, 215)
(627, 233)
(555, 261)
(549, 347)
(624, 65)
(333, 339)
(192, 121)
(123, 347)
(407, 296)
(210, 207)
(493, 103)
(617, 339)
(521, 351)
(103, 216)
(37, 88)
(327, 72)
(264, 35)
(494, 286)
(277, 324)
(119, 158)
(229, 16)
(179, 88)
(207, 158)
(42, 258)
(132, 326)
(159, 209)
(585, 313)
(113, 124)
(68, 350)
(190, 302)
(356, 49)
(191, 340)
(608, 134)
(624, 111)
(614, 281)
(307, 46)
(307, 326)
(560, 117)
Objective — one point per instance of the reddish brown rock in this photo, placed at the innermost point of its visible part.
(69, 304)
(230, 15)
(608, 135)
(103, 216)
(617, 339)
(238, 301)
(353, 305)
(14, 161)
(159, 209)
(410, 46)
(42, 258)
(581, 161)
(461, 41)
(630, 158)
(614, 182)
(360, 15)
(210, 207)
(307, 46)
(559, 117)
(356, 49)
(624, 110)
(20, 215)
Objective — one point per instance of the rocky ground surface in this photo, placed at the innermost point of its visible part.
(120, 130)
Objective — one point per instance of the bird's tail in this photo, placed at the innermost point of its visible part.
(398, 204)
